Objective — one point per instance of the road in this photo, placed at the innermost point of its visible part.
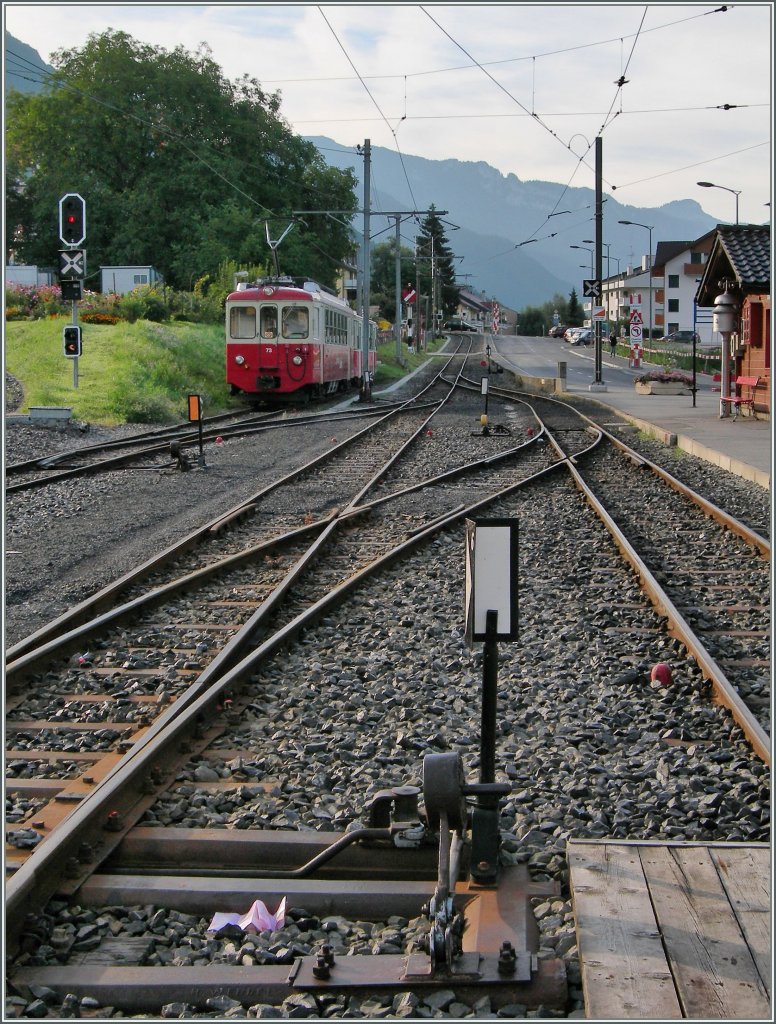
(539, 357)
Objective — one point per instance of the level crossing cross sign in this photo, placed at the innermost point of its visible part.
(591, 288)
(72, 263)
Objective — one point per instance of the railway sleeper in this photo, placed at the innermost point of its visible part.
(482, 937)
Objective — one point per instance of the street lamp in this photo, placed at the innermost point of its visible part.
(591, 241)
(724, 320)
(592, 268)
(710, 184)
(635, 224)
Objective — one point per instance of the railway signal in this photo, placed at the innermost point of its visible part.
(72, 219)
(71, 341)
(71, 289)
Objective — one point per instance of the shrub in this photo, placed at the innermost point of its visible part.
(34, 302)
(131, 307)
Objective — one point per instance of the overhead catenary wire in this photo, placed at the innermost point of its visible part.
(493, 63)
(382, 115)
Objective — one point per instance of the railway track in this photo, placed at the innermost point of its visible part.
(195, 681)
(175, 447)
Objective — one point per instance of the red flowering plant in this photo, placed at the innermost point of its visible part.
(33, 302)
(665, 377)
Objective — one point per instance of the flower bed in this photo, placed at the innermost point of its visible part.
(663, 382)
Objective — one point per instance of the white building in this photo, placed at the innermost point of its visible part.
(666, 295)
(678, 270)
(121, 280)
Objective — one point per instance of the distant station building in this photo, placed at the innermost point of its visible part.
(24, 275)
(121, 280)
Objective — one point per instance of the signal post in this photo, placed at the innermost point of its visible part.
(72, 270)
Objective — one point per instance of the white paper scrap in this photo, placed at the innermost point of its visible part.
(257, 919)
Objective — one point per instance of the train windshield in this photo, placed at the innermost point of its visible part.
(242, 322)
(269, 321)
(296, 322)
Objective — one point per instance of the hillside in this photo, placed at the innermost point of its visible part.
(494, 212)
(24, 68)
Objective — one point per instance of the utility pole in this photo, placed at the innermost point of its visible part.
(363, 297)
(397, 286)
(366, 388)
(417, 333)
(598, 384)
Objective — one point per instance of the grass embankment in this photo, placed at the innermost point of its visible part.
(128, 373)
(140, 372)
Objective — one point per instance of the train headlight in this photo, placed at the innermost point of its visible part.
(239, 360)
(297, 360)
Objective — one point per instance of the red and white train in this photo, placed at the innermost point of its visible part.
(286, 337)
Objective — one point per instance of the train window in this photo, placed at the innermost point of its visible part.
(242, 322)
(269, 321)
(296, 322)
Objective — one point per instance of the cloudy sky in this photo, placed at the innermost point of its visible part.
(524, 87)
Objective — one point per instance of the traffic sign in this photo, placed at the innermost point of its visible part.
(72, 263)
(635, 332)
(599, 313)
(636, 317)
(408, 295)
(591, 288)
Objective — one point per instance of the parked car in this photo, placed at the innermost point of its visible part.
(682, 337)
(571, 333)
(457, 323)
(557, 331)
(584, 337)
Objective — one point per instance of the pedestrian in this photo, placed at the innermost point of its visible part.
(613, 343)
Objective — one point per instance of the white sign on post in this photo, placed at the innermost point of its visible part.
(491, 577)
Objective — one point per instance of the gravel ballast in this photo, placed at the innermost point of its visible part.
(589, 744)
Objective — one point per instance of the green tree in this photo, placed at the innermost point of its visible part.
(574, 313)
(434, 254)
(382, 285)
(180, 167)
(537, 320)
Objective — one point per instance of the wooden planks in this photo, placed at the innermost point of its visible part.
(672, 930)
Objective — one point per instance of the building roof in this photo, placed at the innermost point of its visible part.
(666, 251)
(473, 301)
(741, 252)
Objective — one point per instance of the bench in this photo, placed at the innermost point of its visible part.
(738, 400)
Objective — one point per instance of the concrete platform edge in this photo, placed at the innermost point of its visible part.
(693, 447)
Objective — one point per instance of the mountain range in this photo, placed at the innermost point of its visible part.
(488, 213)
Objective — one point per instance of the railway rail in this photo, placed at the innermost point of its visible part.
(178, 678)
(177, 445)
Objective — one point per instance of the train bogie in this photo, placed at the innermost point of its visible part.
(284, 339)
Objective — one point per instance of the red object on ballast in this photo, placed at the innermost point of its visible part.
(661, 673)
